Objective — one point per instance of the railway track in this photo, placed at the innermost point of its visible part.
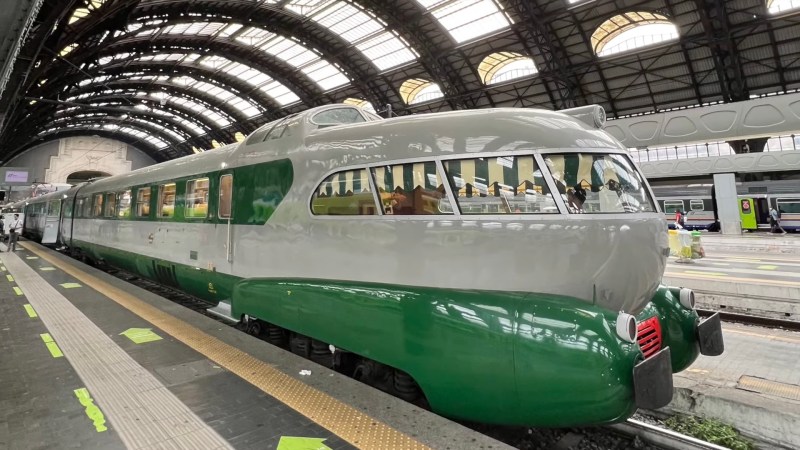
(662, 437)
(745, 319)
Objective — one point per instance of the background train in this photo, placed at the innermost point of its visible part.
(486, 261)
(755, 200)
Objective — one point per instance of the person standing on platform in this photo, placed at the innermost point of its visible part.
(679, 223)
(2, 230)
(15, 228)
(775, 219)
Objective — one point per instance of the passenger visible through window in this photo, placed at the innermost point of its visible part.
(143, 202)
(197, 198)
(499, 185)
(111, 205)
(411, 189)
(166, 200)
(344, 194)
(599, 183)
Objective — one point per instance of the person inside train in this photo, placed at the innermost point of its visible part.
(775, 221)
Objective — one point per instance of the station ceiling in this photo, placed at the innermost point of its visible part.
(172, 76)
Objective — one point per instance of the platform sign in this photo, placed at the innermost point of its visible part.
(15, 176)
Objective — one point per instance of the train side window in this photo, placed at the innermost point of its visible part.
(499, 185)
(670, 206)
(196, 199)
(86, 210)
(143, 202)
(166, 200)
(97, 211)
(111, 205)
(54, 208)
(225, 196)
(411, 189)
(124, 206)
(788, 206)
(344, 193)
(696, 205)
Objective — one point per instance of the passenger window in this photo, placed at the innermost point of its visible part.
(344, 194)
(225, 196)
(696, 205)
(337, 116)
(98, 205)
(86, 207)
(124, 207)
(166, 200)
(111, 205)
(143, 202)
(54, 208)
(788, 206)
(670, 206)
(411, 189)
(197, 198)
(499, 185)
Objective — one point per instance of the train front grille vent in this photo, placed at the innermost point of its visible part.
(650, 336)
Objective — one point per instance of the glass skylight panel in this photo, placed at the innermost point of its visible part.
(173, 134)
(254, 36)
(356, 27)
(640, 36)
(467, 19)
(430, 92)
(386, 51)
(778, 6)
(216, 117)
(280, 93)
(325, 75)
(289, 51)
(301, 58)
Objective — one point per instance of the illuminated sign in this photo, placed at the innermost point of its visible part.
(16, 176)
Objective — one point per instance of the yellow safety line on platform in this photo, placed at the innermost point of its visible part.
(10, 278)
(767, 267)
(745, 280)
(17, 290)
(92, 410)
(708, 274)
(31, 312)
(765, 336)
(341, 419)
(51, 345)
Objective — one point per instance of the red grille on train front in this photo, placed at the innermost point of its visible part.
(650, 336)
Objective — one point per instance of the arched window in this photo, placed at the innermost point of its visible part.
(363, 104)
(779, 6)
(630, 31)
(419, 90)
(504, 66)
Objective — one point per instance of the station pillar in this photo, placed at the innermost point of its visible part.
(730, 221)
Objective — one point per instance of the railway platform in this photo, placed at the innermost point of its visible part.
(90, 361)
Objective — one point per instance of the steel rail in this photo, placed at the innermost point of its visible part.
(662, 437)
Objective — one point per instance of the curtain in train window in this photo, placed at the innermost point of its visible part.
(344, 193)
(143, 202)
(499, 185)
(411, 189)
(166, 200)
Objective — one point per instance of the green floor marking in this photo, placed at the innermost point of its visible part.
(31, 257)
(141, 335)
(70, 285)
(3, 268)
(51, 345)
(10, 278)
(767, 267)
(31, 312)
(17, 290)
(92, 410)
(301, 443)
(47, 269)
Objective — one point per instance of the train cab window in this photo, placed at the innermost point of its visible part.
(670, 206)
(124, 206)
(598, 183)
(337, 116)
(143, 202)
(411, 189)
(111, 205)
(97, 210)
(197, 199)
(225, 196)
(344, 193)
(499, 185)
(166, 200)
(54, 208)
(696, 205)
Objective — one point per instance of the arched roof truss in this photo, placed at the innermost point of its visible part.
(632, 30)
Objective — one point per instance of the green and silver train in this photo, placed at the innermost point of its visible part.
(502, 265)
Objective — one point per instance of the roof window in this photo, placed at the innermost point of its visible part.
(632, 30)
(779, 6)
(419, 90)
(504, 66)
(467, 19)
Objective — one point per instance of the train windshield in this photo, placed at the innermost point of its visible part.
(593, 183)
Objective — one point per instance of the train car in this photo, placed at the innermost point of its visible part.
(755, 200)
(503, 265)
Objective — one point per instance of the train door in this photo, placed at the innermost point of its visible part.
(762, 211)
(225, 212)
(747, 213)
(51, 222)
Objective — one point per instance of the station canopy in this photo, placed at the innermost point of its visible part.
(173, 77)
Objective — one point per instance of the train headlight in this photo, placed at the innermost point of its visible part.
(626, 327)
(686, 297)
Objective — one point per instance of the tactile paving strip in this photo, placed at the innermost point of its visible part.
(141, 409)
(764, 386)
(340, 418)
